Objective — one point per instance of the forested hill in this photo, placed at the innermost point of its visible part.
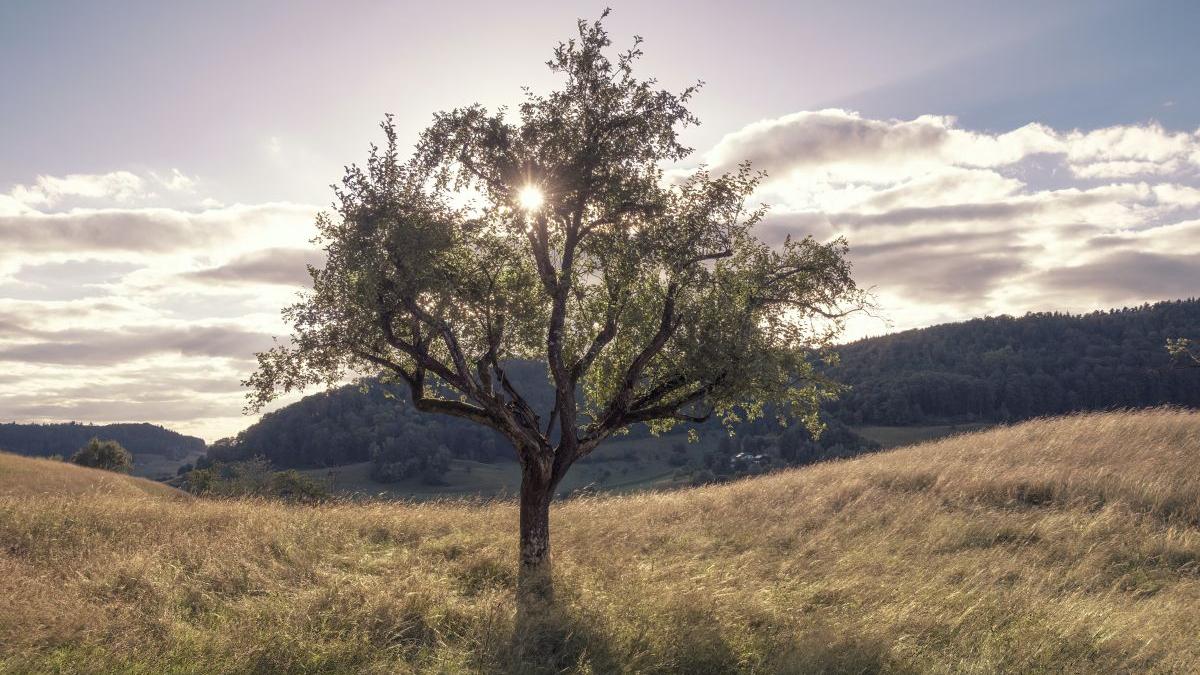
(373, 421)
(1004, 368)
(44, 440)
(989, 370)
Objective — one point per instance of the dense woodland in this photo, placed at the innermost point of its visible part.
(355, 423)
(46, 440)
(372, 421)
(1001, 369)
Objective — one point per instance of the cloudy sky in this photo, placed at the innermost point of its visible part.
(161, 163)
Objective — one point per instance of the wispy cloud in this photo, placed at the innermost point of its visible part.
(104, 276)
(285, 266)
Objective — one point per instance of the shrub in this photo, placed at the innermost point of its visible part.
(107, 455)
(295, 486)
(254, 478)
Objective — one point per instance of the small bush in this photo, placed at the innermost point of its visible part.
(107, 455)
(254, 478)
(295, 486)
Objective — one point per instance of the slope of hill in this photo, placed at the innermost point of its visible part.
(1063, 545)
(351, 423)
(1004, 368)
(34, 476)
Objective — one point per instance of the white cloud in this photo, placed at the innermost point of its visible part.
(154, 230)
(837, 146)
(118, 186)
(106, 294)
(946, 222)
(176, 181)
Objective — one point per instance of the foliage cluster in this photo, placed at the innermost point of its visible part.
(253, 478)
(107, 455)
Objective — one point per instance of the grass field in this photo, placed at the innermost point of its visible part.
(159, 467)
(1059, 546)
(24, 477)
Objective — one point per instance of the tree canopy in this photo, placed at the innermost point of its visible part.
(107, 455)
(652, 298)
(556, 235)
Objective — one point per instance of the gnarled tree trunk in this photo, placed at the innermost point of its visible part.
(534, 583)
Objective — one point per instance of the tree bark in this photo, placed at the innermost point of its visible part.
(534, 583)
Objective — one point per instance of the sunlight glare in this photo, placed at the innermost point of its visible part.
(531, 198)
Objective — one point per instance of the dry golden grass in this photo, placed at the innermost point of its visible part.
(27, 476)
(1065, 545)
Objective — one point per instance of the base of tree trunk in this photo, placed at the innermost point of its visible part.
(534, 581)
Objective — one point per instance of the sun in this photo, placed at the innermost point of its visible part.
(531, 198)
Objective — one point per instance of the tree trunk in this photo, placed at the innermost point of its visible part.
(534, 582)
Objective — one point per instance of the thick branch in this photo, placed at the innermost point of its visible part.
(701, 257)
(416, 385)
(621, 401)
(606, 335)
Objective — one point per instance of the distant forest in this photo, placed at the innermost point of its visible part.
(45, 440)
(1001, 369)
(986, 370)
(370, 421)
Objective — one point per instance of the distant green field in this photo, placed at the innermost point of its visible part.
(617, 466)
(623, 465)
(892, 437)
(158, 466)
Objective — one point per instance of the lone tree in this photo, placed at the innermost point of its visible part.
(1184, 352)
(557, 236)
(107, 455)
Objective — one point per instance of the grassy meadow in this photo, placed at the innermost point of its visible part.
(28, 477)
(1062, 545)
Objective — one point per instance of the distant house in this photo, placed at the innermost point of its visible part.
(744, 461)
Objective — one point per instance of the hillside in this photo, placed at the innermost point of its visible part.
(1065, 545)
(23, 477)
(1007, 368)
(970, 373)
(157, 451)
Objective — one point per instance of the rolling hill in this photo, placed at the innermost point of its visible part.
(1058, 545)
(22, 477)
(1000, 369)
(157, 451)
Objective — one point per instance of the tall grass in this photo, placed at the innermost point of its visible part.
(1063, 545)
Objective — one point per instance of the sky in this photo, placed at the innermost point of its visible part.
(161, 163)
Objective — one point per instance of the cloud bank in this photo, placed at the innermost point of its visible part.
(948, 223)
(127, 296)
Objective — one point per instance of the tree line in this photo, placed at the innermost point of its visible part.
(1000, 369)
(63, 439)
